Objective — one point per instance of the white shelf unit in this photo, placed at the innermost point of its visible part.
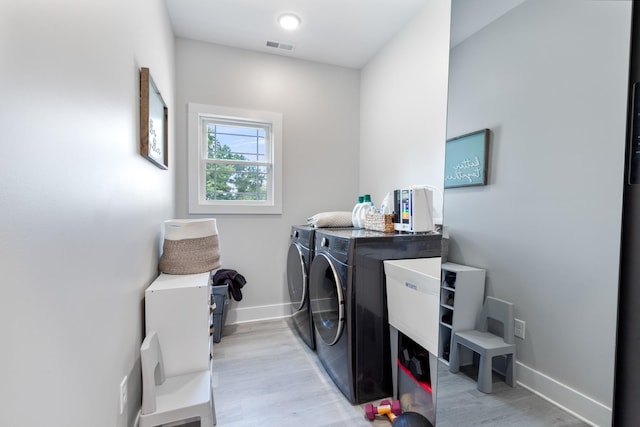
(461, 299)
(177, 308)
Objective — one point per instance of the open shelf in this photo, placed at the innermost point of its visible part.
(461, 299)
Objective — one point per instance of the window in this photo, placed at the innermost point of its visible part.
(234, 160)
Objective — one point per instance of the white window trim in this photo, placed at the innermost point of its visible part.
(197, 203)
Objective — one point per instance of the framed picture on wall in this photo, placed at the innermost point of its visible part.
(466, 160)
(153, 122)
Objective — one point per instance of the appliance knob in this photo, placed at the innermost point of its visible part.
(325, 242)
(295, 234)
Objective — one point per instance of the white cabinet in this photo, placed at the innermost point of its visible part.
(177, 308)
(461, 299)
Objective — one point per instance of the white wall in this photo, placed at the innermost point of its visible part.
(549, 79)
(81, 209)
(320, 111)
(403, 107)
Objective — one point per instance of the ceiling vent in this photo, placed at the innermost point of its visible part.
(279, 45)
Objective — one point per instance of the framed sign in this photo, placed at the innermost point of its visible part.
(466, 160)
(153, 122)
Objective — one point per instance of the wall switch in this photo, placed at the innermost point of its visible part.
(519, 328)
(123, 395)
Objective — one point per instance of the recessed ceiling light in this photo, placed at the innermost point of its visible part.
(289, 21)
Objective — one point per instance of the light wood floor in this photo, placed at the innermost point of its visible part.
(264, 375)
(461, 404)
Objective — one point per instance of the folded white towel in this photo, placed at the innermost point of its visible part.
(330, 219)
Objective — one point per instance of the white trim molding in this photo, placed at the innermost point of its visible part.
(257, 313)
(195, 171)
(576, 403)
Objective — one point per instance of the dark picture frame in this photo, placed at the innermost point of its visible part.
(466, 160)
(153, 122)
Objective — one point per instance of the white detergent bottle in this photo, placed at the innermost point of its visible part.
(386, 207)
(355, 214)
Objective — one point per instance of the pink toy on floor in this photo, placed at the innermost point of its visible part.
(393, 410)
(390, 409)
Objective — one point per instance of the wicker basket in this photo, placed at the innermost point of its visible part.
(190, 256)
(379, 222)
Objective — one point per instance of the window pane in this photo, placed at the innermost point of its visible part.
(235, 143)
(236, 182)
(237, 147)
(251, 182)
(237, 130)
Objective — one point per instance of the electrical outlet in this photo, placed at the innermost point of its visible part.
(123, 395)
(519, 328)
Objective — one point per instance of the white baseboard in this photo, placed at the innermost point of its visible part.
(257, 313)
(583, 407)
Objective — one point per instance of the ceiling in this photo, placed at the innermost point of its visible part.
(470, 16)
(339, 32)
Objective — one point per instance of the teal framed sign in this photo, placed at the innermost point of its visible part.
(466, 160)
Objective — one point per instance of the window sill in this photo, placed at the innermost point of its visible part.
(249, 209)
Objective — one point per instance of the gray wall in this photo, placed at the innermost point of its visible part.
(320, 107)
(81, 209)
(549, 79)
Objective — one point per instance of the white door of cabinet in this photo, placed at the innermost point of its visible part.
(177, 309)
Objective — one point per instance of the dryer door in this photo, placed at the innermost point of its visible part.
(327, 300)
(296, 276)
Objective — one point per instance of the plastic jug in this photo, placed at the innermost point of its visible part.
(355, 214)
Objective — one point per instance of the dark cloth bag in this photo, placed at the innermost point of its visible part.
(234, 280)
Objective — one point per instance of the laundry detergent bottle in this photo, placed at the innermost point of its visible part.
(355, 214)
